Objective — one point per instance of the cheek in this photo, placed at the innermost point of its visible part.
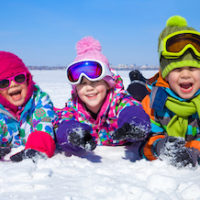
(24, 89)
(80, 91)
(196, 76)
(4, 93)
(173, 78)
(103, 90)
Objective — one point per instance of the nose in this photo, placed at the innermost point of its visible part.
(185, 73)
(90, 86)
(12, 83)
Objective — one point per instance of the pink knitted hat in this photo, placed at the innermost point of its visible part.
(10, 65)
(89, 48)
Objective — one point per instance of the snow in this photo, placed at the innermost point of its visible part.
(108, 173)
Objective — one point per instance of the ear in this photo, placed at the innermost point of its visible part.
(166, 78)
(107, 86)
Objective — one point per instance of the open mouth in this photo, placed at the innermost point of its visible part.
(15, 95)
(186, 87)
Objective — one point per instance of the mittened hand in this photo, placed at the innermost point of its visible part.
(27, 154)
(73, 136)
(173, 150)
(4, 151)
(185, 157)
(129, 132)
(133, 124)
(169, 144)
(82, 139)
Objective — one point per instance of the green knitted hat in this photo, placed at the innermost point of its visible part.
(174, 24)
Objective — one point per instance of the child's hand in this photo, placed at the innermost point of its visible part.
(133, 124)
(129, 132)
(82, 139)
(169, 144)
(4, 151)
(173, 150)
(75, 136)
(184, 157)
(27, 154)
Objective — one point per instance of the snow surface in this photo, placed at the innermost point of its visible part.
(109, 173)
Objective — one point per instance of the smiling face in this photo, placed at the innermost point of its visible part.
(16, 93)
(92, 93)
(184, 81)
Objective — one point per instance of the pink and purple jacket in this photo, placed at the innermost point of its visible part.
(108, 119)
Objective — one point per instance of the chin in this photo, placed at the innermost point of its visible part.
(18, 103)
(186, 96)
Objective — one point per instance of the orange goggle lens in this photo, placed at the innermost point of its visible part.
(177, 43)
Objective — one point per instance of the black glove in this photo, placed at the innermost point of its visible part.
(173, 150)
(185, 156)
(4, 151)
(83, 140)
(129, 132)
(137, 87)
(169, 144)
(27, 154)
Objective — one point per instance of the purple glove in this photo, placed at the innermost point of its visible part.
(73, 136)
(133, 123)
(173, 150)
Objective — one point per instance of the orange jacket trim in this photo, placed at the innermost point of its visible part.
(148, 147)
(193, 144)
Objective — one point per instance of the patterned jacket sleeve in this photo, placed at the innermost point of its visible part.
(122, 99)
(7, 133)
(42, 135)
(157, 132)
(44, 114)
(65, 114)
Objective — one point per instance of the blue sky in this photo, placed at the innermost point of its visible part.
(44, 32)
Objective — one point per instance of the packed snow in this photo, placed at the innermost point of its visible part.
(109, 173)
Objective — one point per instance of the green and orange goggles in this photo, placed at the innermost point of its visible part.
(175, 44)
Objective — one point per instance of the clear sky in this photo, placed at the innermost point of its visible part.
(44, 32)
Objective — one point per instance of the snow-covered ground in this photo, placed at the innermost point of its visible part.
(109, 173)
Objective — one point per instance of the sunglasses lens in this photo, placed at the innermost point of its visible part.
(91, 69)
(176, 43)
(20, 78)
(4, 83)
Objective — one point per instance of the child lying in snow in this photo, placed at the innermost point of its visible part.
(26, 113)
(174, 102)
(100, 111)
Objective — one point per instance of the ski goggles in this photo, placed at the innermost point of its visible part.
(18, 78)
(174, 45)
(93, 70)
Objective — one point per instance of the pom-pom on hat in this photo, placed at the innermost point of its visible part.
(89, 48)
(175, 24)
